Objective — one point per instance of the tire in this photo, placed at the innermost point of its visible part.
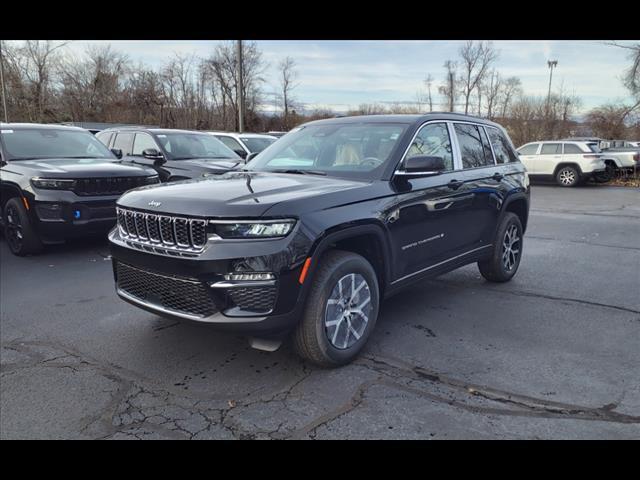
(568, 176)
(606, 176)
(327, 335)
(499, 268)
(18, 231)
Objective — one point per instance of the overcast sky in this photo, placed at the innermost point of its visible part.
(344, 74)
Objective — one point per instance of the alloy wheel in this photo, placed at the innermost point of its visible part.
(347, 311)
(567, 176)
(510, 248)
(13, 229)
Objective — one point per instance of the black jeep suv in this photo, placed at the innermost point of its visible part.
(317, 229)
(58, 182)
(174, 154)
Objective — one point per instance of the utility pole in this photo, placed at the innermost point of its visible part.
(551, 64)
(4, 91)
(240, 92)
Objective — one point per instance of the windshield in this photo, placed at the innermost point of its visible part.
(35, 143)
(343, 150)
(257, 144)
(186, 146)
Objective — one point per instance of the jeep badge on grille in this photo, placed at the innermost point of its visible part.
(153, 203)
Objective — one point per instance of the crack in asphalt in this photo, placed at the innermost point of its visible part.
(140, 408)
(523, 293)
(582, 242)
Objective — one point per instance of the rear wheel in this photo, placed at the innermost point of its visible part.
(340, 312)
(568, 177)
(18, 231)
(507, 251)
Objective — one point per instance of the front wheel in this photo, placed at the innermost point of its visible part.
(18, 231)
(507, 251)
(340, 312)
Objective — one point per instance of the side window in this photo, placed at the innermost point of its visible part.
(123, 142)
(433, 140)
(142, 142)
(502, 148)
(488, 154)
(104, 137)
(231, 143)
(551, 149)
(570, 149)
(471, 146)
(526, 150)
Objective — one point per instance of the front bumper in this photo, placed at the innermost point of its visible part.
(57, 221)
(195, 289)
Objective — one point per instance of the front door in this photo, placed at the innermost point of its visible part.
(425, 222)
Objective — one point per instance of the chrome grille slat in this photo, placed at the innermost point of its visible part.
(141, 225)
(166, 230)
(162, 233)
(152, 227)
(198, 232)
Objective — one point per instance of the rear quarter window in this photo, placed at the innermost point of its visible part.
(502, 147)
(570, 148)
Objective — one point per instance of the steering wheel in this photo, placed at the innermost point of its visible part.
(372, 161)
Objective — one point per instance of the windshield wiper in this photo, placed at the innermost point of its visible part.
(299, 171)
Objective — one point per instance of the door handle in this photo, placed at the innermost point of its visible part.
(454, 184)
(497, 176)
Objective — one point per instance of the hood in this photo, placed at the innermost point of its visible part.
(234, 194)
(85, 168)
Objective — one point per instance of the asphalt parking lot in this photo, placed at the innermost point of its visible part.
(553, 354)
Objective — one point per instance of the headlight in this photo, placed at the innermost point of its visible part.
(53, 183)
(279, 228)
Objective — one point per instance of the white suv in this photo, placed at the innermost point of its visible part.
(245, 144)
(569, 163)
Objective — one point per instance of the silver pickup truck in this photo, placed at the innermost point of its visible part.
(622, 159)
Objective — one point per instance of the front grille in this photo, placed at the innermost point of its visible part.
(178, 233)
(182, 295)
(255, 299)
(110, 185)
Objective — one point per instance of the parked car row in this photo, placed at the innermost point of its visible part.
(58, 182)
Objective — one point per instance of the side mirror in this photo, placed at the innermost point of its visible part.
(422, 165)
(241, 153)
(251, 156)
(153, 154)
(117, 152)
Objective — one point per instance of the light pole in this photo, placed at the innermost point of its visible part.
(4, 92)
(551, 64)
(240, 90)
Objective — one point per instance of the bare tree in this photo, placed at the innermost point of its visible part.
(450, 88)
(224, 64)
(288, 76)
(37, 61)
(91, 86)
(492, 89)
(428, 82)
(476, 59)
(511, 89)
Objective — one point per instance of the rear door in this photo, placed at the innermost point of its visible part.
(550, 156)
(483, 182)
